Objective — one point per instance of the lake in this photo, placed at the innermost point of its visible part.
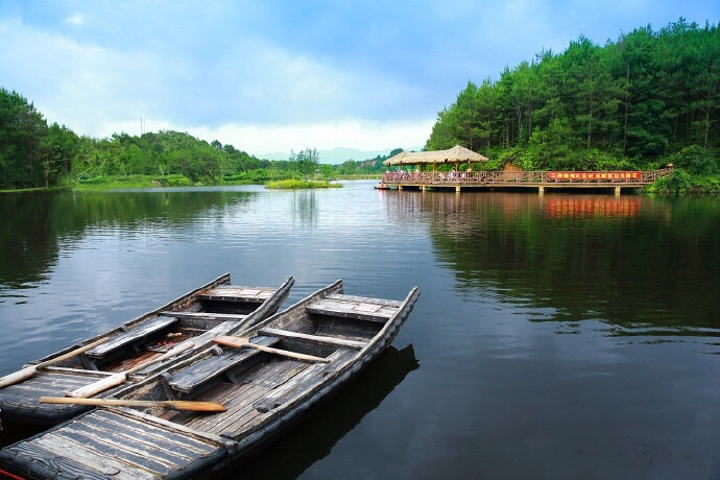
(556, 336)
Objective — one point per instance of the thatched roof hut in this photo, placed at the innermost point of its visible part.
(455, 155)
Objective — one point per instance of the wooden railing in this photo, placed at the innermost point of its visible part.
(531, 177)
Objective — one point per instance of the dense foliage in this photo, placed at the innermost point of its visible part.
(634, 103)
(35, 154)
(31, 152)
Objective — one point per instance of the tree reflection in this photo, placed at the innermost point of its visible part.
(35, 222)
(634, 262)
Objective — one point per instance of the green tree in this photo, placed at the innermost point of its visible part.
(305, 162)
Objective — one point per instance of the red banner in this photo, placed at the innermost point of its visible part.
(584, 176)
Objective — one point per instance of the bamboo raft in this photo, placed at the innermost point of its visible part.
(134, 351)
(316, 346)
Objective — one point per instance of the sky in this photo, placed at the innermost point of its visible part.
(274, 76)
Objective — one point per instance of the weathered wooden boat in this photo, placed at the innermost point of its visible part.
(263, 393)
(134, 350)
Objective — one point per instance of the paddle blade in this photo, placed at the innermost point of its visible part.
(18, 376)
(235, 342)
(194, 406)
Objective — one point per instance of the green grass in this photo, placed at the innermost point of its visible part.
(36, 189)
(300, 184)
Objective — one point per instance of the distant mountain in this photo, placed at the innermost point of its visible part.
(337, 155)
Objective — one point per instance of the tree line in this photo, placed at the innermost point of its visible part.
(648, 98)
(34, 153)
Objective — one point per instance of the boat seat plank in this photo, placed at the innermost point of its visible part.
(204, 315)
(109, 447)
(111, 444)
(128, 440)
(44, 384)
(162, 434)
(31, 458)
(305, 380)
(370, 300)
(194, 375)
(230, 293)
(135, 333)
(350, 309)
(341, 342)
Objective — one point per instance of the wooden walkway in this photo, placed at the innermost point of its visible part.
(541, 180)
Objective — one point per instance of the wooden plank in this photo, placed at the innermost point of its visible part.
(199, 372)
(228, 421)
(359, 311)
(304, 381)
(136, 434)
(135, 445)
(354, 298)
(33, 458)
(45, 384)
(342, 342)
(204, 315)
(218, 443)
(65, 451)
(139, 331)
(273, 374)
(170, 433)
(152, 435)
(229, 293)
(109, 448)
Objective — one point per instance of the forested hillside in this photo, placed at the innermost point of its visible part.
(35, 154)
(634, 102)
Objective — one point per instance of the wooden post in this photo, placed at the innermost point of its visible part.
(541, 190)
(617, 191)
(457, 188)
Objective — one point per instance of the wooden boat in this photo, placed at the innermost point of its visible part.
(263, 393)
(142, 346)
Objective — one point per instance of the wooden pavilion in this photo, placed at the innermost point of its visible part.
(455, 156)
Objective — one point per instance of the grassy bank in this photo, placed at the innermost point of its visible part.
(301, 184)
(38, 189)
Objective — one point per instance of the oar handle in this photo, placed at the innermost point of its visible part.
(99, 386)
(18, 376)
(104, 402)
(240, 342)
(287, 353)
(117, 379)
(29, 371)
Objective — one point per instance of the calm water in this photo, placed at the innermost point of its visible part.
(564, 336)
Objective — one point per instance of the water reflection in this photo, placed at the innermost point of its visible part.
(305, 444)
(592, 206)
(36, 223)
(304, 208)
(635, 263)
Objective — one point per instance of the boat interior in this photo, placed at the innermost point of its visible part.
(251, 383)
(155, 334)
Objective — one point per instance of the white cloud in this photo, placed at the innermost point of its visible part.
(76, 19)
(259, 139)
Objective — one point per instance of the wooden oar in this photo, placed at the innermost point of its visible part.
(174, 404)
(240, 342)
(28, 372)
(118, 378)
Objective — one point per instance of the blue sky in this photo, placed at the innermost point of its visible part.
(271, 76)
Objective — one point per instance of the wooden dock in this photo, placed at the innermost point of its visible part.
(540, 180)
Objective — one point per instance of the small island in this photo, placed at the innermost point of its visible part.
(301, 184)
